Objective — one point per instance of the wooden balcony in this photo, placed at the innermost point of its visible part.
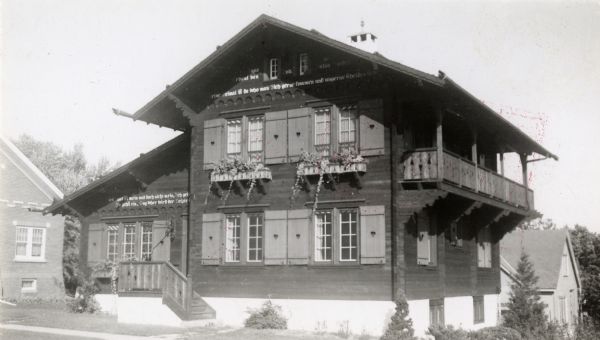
(421, 165)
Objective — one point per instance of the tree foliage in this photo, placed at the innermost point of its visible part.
(68, 170)
(525, 310)
(586, 246)
(400, 326)
(538, 224)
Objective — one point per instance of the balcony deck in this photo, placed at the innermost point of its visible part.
(421, 165)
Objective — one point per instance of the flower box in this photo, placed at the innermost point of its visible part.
(335, 169)
(241, 176)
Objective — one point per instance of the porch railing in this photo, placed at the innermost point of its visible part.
(153, 277)
(422, 165)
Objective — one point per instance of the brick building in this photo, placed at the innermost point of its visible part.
(32, 243)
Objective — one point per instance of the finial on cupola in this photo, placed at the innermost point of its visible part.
(364, 40)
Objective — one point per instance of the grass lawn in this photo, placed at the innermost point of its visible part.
(56, 316)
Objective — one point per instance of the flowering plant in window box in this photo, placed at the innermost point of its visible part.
(234, 169)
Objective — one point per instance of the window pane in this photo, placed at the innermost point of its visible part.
(129, 241)
(348, 124)
(255, 134)
(322, 129)
(255, 225)
(36, 250)
(112, 252)
(303, 63)
(232, 238)
(323, 236)
(146, 241)
(348, 235)
(274, 68)
(21, 242)
(234, 136)
(21, 249)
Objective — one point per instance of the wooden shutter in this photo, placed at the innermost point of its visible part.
(162, 250)
(299, 132)
(276, 137)
(211, 238)
(275, 237)
(372, 234)
(214, 142)
(423, 239)
(298, 222)
(95, 244)
(371, 128)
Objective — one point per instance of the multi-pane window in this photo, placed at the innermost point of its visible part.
(323, 236)
(274, 68)
(28, 285)
(232, 238)
(348, 235)
(29, 242)
(234, 137)
(255, 135)
(347, 127)
(255, 238)
(112, 252)
(303, 63)
(484, 248)
(323, 130)
(436, 312)
(146, 244)
(478, 309)
(129, 241)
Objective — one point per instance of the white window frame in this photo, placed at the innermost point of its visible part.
(321, 236)
(129, 255)
(234, 137)
(256, 129)
(146, 244)
(353, 236)
(484, 248)
(322, 128)
(112, 230)
(274, 68)
(258, 237)
(28, 256)
(352, 121)
(32, 289)
(303, 63)
(233, 238)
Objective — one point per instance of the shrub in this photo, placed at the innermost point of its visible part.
(84, 301)
(269, 316)
(400, 326)
(344, 330)
(586, 330)
(447, 333)
(495, 333)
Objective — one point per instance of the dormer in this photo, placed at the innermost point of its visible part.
(364, 40)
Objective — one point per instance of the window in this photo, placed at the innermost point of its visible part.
(234, 137)
(347, 133)
(255, 137)
(565, 264)
(112, 252)
(484, 248)
(436, 312)
(146, 246)
(28, 285)
(323, 235)
(303, 63)
(426, 240)
(478, 309)
(323, 130)
(129, 241)
(563, 310)
(255, 238)
(348, 235)
(232, 238)
(30, 243)
(274, 68)
(456, 237)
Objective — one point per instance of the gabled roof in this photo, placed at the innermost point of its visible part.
(29, 169)
(545, 249)
(160, 103)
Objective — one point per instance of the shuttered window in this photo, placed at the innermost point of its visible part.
(323, 130)
(232, 238)
(484, 248)
(348, 235)
(146, 241)
(234, 136)
(347, 127)
(323, 236)
(112, 251)
(129, 241)
(255, 238)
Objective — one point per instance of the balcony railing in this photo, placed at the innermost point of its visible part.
(242, 176)
(422, 165)
(335, 169)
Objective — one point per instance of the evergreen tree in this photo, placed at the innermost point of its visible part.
(400, 326)
(525, 310)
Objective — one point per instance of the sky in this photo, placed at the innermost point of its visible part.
(65, 64)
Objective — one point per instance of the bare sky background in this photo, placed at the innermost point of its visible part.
(66, 63)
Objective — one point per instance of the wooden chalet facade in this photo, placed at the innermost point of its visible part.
(419, 213)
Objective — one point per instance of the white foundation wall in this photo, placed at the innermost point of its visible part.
(145, 310)
(107, 302)
(370, 317)
(458, 312)
(418, 310)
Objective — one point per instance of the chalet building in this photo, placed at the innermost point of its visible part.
(32, 243)
(326, 178)
(551, 253)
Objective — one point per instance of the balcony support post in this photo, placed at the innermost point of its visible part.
(439, 142)
(474, 156)
(523, 157)
(502, 164)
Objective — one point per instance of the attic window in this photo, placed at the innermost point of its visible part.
(274, 68)
(303, 63)
(363, 37)
(354, 38)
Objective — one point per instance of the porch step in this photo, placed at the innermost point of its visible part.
(200, 310)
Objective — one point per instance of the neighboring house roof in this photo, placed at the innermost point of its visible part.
(157, 112)
(29, 170)
(545, 249)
